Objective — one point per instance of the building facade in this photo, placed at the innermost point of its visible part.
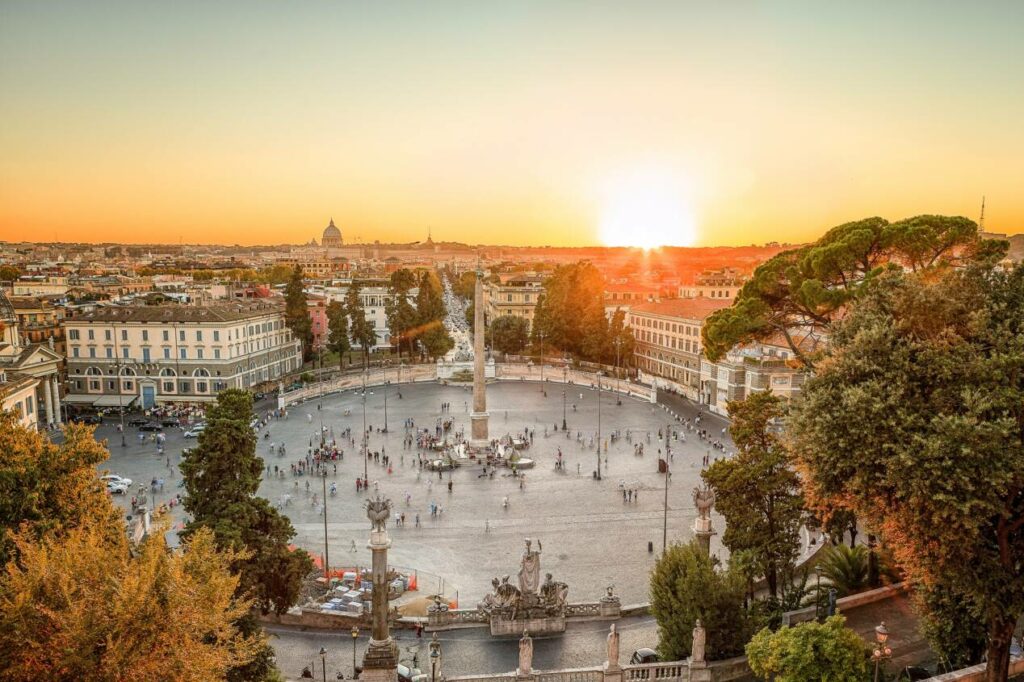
(517, 297)
(159, 354)
(374, 296)
(668, 341)
(749, 369)
(722, 284)
(29, 373)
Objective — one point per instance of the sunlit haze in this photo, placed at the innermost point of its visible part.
(509, 123)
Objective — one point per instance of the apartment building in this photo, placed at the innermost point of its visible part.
(516, 296)
(722, 284)
(668, 341)
(173, 353)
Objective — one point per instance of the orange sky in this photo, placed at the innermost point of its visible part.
(532, 123)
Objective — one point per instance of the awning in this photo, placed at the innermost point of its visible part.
(79, 399)
(185, 398)
(115, 400)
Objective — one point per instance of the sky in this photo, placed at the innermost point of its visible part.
(561, 123)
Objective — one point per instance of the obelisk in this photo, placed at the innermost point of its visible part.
(479, 437)
(381, 658)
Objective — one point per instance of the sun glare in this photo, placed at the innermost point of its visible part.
(648, 210)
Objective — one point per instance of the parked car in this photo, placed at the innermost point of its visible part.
(170, 421)
(151, 426)
(195, 431)
(137, 421)
(116, 479)
(644, 656)
(117, 488)
(87, 419)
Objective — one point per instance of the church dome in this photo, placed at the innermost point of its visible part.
(332, 235)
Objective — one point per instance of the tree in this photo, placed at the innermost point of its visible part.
(337, 331)
(509, 334)
(570, 312)
(400, 313)
(9, 273)
(296, 312)
(621, 341)
(952, 630)
(46, 488)
(429, 299)
(686, 584)
(810, 652)
(436, 340)
(757, 491)
(915, 421)
(81, 606)
(361, 331)
(802, 291)
(222, 475)
(846, 568)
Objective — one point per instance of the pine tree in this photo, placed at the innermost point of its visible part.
(296, 312)
(337, 329)
(361, 331)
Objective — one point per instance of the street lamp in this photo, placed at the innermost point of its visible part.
(565, 384)
(664, 519)
(599, 426)
(882, 652)
(120, 397)
(384, 368)
(323, 662)
(366, 473)
(618, 386)
(541, 332)
(355, 636)
(327, 553)
(435, 656)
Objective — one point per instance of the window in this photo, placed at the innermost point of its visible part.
(94, 385)
(124, 353)
(74, 351)
(145, 355)
(216, 353)
(73, 334)
(110, 352)
(128, 386)
(29, 405)
(168, 387)
(199, 335)
(92, 335)
(185, 387)
(92, 352)
(181, 335)
(199, 353)
(184, 353)
(106, 335)
(145, 335)
(110, 385)
(124, 334)
(201, 387)
(167, 335)
(167, 353)
(216, 335)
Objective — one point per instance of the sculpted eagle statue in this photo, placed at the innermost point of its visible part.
(378, 511)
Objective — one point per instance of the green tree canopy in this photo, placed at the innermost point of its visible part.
(361, 331)
(810, 652)
(509, 334)
(687, 585)
(296, 312)
(436, 340)
(570, 313)
(337, 331)
(222, 475)
(915, 420)
(800, 292)
(429, 299)
(757, 491)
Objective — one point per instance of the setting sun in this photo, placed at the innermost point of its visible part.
(647, 209)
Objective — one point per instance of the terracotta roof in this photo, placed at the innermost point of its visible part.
(221, 312)
(686, 308)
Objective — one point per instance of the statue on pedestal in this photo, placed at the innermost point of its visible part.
(529, 569)
(697, 651)
(378, 511)
(525, 655)
(613, 648)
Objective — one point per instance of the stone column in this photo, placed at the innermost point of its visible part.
(479, 435)
(55, 388)
(381, 658)
(49, 400)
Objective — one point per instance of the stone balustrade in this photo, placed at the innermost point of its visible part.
(672, 671)
(570, 675)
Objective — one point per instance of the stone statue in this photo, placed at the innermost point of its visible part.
(554, 593)
(378, 511)
(525, 655)
(613, 647)
(697, 655)
(704, 500)
(529, 571)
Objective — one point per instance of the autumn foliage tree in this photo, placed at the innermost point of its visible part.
(915, 420)
(810, 652)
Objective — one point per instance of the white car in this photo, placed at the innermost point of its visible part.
(117, 488)
(195, 431)
(114, 478)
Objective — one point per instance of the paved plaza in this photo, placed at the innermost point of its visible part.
(591, 537)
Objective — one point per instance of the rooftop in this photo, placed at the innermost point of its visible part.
(687, 308)
(220, 312)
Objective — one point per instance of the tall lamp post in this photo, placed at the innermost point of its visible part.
(599, 426)
(327, 553)
(120, 397)
(565, 384)
(323, 662)
(618, 385)
(882, 652)
(664, 518)
(541, 332)
(435, 657)
(384, 368)
(366, 473)
(355, 636)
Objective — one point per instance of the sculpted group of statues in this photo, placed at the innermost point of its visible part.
(550, 596)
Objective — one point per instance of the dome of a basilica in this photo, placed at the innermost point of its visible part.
(332, 235)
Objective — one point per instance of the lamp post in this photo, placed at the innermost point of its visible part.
(327, 553)
(599, 426)
(435, 656)
(120, 398)
(366, 473)
(565, 384)
(355, 636)
(384, 368)
(323, 662)
(882, 652)
(541, 332)
(618, 385)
